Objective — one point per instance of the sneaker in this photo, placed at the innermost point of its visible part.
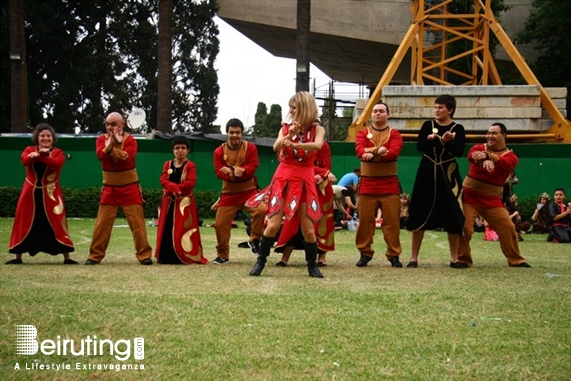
(220, 261)
(395, 262)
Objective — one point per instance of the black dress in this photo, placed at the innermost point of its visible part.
(436, 196)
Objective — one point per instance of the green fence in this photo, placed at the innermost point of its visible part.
(542, 167)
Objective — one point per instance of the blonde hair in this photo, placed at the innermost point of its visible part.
(306, 108)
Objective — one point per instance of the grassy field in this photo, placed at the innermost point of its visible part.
(215, 322)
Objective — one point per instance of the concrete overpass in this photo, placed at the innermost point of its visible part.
(351, 40)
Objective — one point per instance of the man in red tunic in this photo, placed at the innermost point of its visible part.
(235, 163)
(490, 166)
(378, 147)
(117, 151)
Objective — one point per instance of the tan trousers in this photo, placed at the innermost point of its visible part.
(500, 221)
(104, 225)
(223, 225)
(367, 205)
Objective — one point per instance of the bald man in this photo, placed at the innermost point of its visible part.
(117, 151)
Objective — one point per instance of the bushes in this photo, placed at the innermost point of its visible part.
(83, 203)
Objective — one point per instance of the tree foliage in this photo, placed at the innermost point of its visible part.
(547, 27)
(267, 125)
(86, 58)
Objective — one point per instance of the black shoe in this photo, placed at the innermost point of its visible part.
(281, 264)
(363, 261)
(220, 261)
(69, 262)
(523, 264)
(14, 262)
(314, 272)
(459, 265)
(244, 245)
(255, 246)
(321, 264)
(257, 269)
(395, 262)
(147, 262)
(413, 264)
(91, 262)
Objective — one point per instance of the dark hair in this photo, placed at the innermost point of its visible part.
(234, 122)
(384, 104)
(180, 139)
(559, 189)
(502, 127)
(358, 169)
(447, 100)
(41, 127)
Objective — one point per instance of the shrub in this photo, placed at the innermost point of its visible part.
(84, 203)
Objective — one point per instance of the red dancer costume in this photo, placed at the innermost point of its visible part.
(40, 222)
(236, 190)
(289, 184)
(178, 234)
(482, 196)
(324, 230)
(120, 189)
(378, 188)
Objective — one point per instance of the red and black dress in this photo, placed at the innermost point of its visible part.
(40, 223)
(178, 234)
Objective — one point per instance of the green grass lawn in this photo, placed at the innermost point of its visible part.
(214, 322)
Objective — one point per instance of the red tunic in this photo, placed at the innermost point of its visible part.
(185, 232)
(237, 190)
(503, 167)
(294, 179)
(370, 184)
(121, 160)
(51, 194)
(324, 230)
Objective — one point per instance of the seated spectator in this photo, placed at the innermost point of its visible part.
(541, 215)
(489, 233)
(404, 200)
(479, 224)
(520, 224)
(559, 218)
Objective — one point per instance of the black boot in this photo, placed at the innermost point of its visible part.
(311, 258)
(266, 244)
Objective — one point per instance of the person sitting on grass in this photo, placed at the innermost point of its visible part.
(560, 218)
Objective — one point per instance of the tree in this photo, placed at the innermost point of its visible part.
(267, 125)
(18, 78)
(547, 27)
(164, 77)
(85, 58)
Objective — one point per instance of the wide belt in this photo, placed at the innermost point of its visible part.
(116, 179)
(233, 187)
(482, 187)
(378, 169)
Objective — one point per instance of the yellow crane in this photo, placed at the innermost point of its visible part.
(432, 61)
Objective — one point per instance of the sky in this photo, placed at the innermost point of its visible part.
(248, 74)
